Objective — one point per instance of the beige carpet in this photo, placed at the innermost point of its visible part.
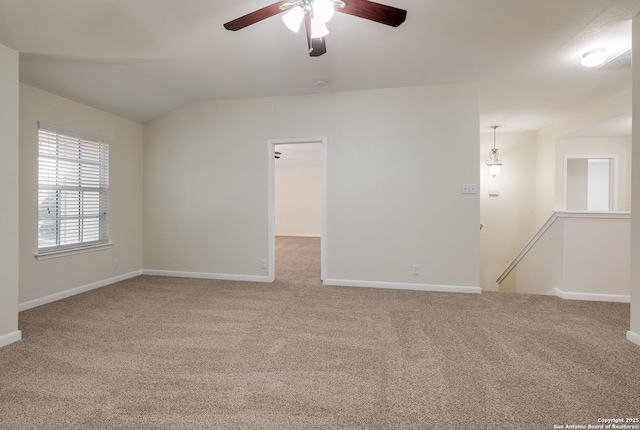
(170, 353)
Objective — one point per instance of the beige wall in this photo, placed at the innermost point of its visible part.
(9, 197)
(549, 177)
(396, 161)
(583, 256)
(48, 277)
(635, 205)
(298, 201)
(596, 256)
(594, 148)
(509, 219)
(527, 277)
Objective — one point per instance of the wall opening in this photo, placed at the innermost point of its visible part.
(297, 193)
(589, 184)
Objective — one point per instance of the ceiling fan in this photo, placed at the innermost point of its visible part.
(316, 13)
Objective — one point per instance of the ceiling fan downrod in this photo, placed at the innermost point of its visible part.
(307, 5)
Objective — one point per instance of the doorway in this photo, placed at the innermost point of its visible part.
(273, 147)
(590, 184)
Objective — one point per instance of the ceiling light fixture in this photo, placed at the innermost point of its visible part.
(494, 161)
(320, 11)
(293, 18)
(593, 58)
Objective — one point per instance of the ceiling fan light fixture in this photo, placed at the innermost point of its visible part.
(316, 13)
(594, 58)
(293, 19)
(318, 28)
(323, 10)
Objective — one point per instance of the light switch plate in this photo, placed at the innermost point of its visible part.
(469, 188)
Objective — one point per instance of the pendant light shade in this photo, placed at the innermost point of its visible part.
(494, 169)
(293, 18)
(320, 12)
(494, 161)
(323, 10)
(318, 28)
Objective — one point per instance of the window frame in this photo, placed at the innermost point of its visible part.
(58, 151)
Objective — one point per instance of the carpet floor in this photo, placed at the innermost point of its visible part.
(173, 353)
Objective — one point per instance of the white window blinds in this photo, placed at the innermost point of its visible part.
(73, 189)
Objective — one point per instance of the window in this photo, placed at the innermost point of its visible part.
(73, 189)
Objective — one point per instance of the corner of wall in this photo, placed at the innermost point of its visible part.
(635, 196)
(9, 195)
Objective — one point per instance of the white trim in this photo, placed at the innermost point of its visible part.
(10, 338)
(298, 235)
(323, 227)
(547, 225)
(633, 337)
(592, 297)
(204, 275)
(271, 249)
(73, 291)
(72, 251)
(404, 286)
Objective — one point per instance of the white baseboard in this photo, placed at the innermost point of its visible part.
(591, 296)
(72, 292)
(202, 275)
(403, 286)
(10, 338)
(297, 235)
(633, 337)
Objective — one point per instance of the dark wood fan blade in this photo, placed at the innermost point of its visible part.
(317, 46)
(375, 12)
(253, 17)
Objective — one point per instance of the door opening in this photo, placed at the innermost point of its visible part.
(300, 160)
(590, 184)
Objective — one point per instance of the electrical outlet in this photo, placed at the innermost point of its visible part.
(415, 269)
(263, 264)
(116, 263)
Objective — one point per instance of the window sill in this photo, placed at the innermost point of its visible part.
(72, 251)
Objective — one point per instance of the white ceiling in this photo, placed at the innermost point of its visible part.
(143, 58)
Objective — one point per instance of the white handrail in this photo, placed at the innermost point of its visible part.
(552, 219)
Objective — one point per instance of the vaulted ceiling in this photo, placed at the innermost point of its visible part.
(140, 59)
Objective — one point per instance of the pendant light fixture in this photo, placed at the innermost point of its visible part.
(320, 11)
(494, 161)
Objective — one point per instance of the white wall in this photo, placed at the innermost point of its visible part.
(509, 219)
(298, 201)
(9, 197)
(44, 278)
(396, 161)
